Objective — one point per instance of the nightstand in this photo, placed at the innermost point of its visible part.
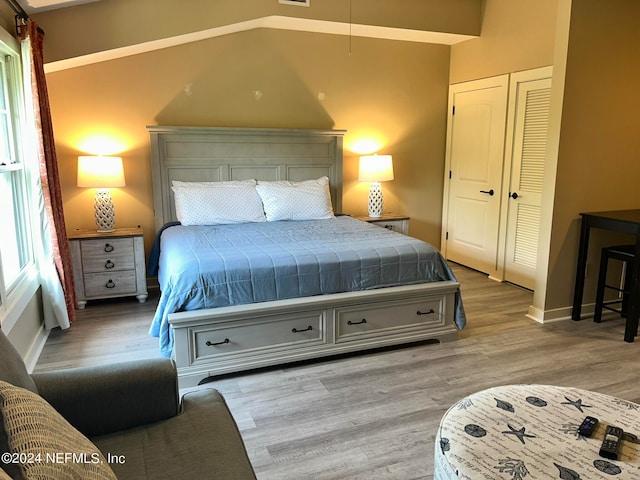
(107, 265)
(390, 221)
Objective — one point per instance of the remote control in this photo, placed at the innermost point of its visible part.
(611, 443)
(588, 426)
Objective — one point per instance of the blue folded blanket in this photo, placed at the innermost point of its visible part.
(220, 265)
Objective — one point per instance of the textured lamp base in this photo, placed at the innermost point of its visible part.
(375, 200)
(105, 216)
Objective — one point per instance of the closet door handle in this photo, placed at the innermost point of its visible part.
(489, 192)
(514, 195)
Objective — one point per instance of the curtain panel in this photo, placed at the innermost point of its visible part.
(52, 249)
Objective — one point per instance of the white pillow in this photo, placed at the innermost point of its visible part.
(223, 183)
(218, 203)
(307, 200)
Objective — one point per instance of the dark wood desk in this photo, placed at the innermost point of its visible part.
(624, 221)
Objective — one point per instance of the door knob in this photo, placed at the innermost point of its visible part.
(513, 195)
(490, 192)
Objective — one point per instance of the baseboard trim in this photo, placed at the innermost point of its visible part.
(558, 314)
(33, 355)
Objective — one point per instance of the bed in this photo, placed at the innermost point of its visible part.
(242, 292)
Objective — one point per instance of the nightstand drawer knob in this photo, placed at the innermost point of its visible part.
(108, 247)
(110, 284)
(109, 265)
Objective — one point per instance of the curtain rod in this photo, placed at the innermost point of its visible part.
(17, 9)
(21, 15)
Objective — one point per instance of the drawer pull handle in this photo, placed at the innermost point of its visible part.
(109, 265)
(426, 313)
(108, 247)
(361, 322)
(308, 329)
(110, 284)
(212, 344)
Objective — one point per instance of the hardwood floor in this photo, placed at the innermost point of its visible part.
(375, 415)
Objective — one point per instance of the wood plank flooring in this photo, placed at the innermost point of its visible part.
(375, 415)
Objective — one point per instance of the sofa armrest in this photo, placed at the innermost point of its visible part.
(110, 398)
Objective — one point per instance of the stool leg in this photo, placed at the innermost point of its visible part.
(602, 279)
(626, 287)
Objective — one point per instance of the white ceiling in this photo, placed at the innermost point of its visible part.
(34, 6)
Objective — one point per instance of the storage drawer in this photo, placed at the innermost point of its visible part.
(258, 335)
(110, 284)
(108, 262)
(104, 248)
(385, 318)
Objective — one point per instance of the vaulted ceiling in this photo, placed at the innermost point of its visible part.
(34, 6)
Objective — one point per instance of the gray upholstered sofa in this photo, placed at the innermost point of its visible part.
(130, 423)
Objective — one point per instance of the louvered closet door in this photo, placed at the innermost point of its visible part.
(527, 172)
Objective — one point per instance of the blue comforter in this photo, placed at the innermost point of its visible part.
(220, 265)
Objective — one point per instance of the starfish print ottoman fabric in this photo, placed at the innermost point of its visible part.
(522, 432)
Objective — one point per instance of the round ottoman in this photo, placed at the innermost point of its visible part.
(521, 432)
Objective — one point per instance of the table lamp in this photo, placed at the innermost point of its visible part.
(101, 173)
(375, 169)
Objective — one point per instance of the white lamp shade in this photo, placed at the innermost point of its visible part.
(375, 168)
(100, 172)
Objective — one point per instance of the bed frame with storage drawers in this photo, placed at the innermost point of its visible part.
(230, 339)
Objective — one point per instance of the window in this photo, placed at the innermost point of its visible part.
(16, 253)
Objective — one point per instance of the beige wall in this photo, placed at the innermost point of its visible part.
(599, 149)
(389, 91)
(104, 25)
(516, 35)
(7, 18)
(393, 92)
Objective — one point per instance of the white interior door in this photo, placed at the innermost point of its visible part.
(531, 102)
(473, 189)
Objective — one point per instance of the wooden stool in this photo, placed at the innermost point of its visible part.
(622, 253)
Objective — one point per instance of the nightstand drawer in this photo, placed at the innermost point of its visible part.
(108, 263)
(110, 284)
(106, 248)
(396, 223)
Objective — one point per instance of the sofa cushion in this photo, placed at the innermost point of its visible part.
(106, 398)
(53, 448)
(202, 441)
